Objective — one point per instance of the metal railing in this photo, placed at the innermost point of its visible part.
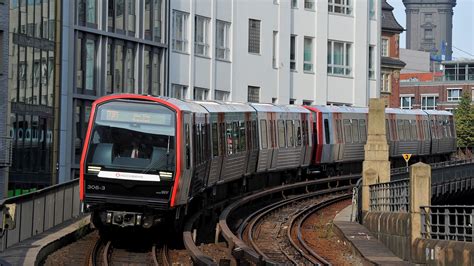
(390, 197)
(31, 214)
(441, 171)
(447, 222)
(5, 151)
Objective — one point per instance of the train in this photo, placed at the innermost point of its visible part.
(146, 159)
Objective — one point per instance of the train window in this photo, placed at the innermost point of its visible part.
(401, 133)
(281, 134)
(195, 138)
(339, 131)
(242, 137)
(326, 131)
(406, 129)
(315, 133)
(215, 140)
(235, 137)
(229, 140)
(187, 143)
(355, 130)
(222, 138)
(254, 135)
(289, 133)
(298, 132)
(363, 130)
(347, 130)
(414, 135)
(248, 133)
(263, 133)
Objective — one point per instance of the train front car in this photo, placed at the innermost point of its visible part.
(128, 165)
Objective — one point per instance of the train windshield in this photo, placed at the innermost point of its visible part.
(133, 136)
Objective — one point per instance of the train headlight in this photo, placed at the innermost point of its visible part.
(109, 217)
(139, 219)
(93, 169)
(166, 175)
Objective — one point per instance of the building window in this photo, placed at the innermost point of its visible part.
(454, 95)
(309, 4)
(152, 23)
(428, 34)
(293, 52)
(307, 102)
(87, 13)
(371, 62)
(254, 36)
(385, 46)
(131, 16)
(1, 51)
(428, 17)
(201, 38)
(180, 30)
(372, 9)
(429, 102)
(221, 95)
(339, 58)
(178, 91)
(85, 64)
(294, 3)
(406, 102)
(200, 94)
(130, 70)
(253, 94)
(386, 82)
(90, 65)
(222, 40)
(275, 50)
(340, 7)
(119, 15)
(308, 54)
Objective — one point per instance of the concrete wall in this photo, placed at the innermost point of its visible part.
(392, 229)
(416, 61)
(442, 252)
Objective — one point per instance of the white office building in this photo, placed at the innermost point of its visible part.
(281, 51)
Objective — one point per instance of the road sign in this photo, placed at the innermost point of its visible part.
(406, 156)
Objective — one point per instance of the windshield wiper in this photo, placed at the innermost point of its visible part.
(156, 162)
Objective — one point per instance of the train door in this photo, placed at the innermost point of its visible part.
(187, 159)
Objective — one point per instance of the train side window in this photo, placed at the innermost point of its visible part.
(315, 134)
(347, 130)
(298, 132)
(272, 134)
(215, 140)
(363, 130)
(406, 129)
(281, 133)
(243, 137)
(254, 135)
(235, 137)
(326, 131)
(229, 140)
(222, 138)
(339, 130)
(400, 129)
(289, 133)
(263, 133)
(414, 134)
(248, 133)
(355, 130)
(188, 148)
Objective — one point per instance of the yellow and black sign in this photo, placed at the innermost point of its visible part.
(406, 156)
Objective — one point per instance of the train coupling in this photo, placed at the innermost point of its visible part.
(128, 219)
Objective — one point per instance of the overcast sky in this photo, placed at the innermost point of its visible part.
(463, 26)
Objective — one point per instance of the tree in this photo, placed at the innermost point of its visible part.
(464, 119)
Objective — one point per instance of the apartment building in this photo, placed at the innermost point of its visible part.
(280, 51)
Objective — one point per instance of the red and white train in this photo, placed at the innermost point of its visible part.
(145, 157)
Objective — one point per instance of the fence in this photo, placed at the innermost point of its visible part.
(390, 197)
(36, 212)
(440, 172)
(5, 151)
(447, 222)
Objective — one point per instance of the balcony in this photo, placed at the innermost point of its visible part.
(5, 152)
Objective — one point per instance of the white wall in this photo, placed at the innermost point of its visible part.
(245, 69)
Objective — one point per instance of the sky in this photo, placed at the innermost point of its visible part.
(463, 26)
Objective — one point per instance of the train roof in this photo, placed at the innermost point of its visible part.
(404, 111)
(217, 106)
(185, 105)
(438, 112)
(269, 107)
(340, 109)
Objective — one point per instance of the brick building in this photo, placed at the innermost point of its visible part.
(442, 93)
(390, 62)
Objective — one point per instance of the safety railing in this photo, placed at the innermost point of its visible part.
(31, 214)
(447, 222)
(5, 151)
(440, 171)
(390, 197)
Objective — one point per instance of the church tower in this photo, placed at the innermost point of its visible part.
(429, 27)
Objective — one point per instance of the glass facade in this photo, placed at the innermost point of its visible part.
(124, 53)
(31, 88)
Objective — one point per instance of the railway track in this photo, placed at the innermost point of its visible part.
(271, 233)
(107, 253)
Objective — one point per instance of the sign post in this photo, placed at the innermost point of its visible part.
(407, 157)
